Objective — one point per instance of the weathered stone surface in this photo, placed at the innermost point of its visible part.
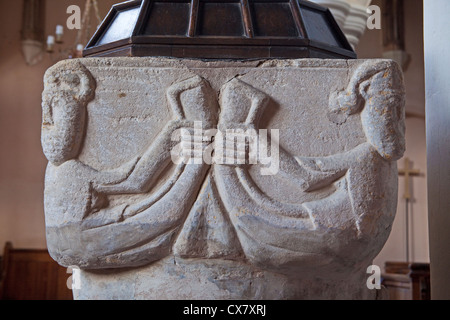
(198, 279)
(136, 181)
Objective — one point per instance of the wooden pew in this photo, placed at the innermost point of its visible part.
(30, 274)
(407, 281)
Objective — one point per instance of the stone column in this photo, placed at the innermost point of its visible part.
(437, 80)
(189, 179)
(356, 21)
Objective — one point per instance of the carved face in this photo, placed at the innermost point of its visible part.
(383, 117)
(63, 116)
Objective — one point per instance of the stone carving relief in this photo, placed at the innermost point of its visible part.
(151, 207)
(66, 95)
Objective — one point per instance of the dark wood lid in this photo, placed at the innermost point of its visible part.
(213, 29)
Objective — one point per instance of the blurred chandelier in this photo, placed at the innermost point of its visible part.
(83, 34)
(32, 33)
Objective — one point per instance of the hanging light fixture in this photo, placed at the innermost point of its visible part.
(32, 33)
(394, 33)
(83, 34)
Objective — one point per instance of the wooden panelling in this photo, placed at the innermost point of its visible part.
(32, 275)
(407, 281)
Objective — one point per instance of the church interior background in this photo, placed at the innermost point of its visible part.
(22, 163)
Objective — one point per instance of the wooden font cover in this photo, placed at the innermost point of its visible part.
(213, 29)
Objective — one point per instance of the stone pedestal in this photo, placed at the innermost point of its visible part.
(189, 179)
(198, 279)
